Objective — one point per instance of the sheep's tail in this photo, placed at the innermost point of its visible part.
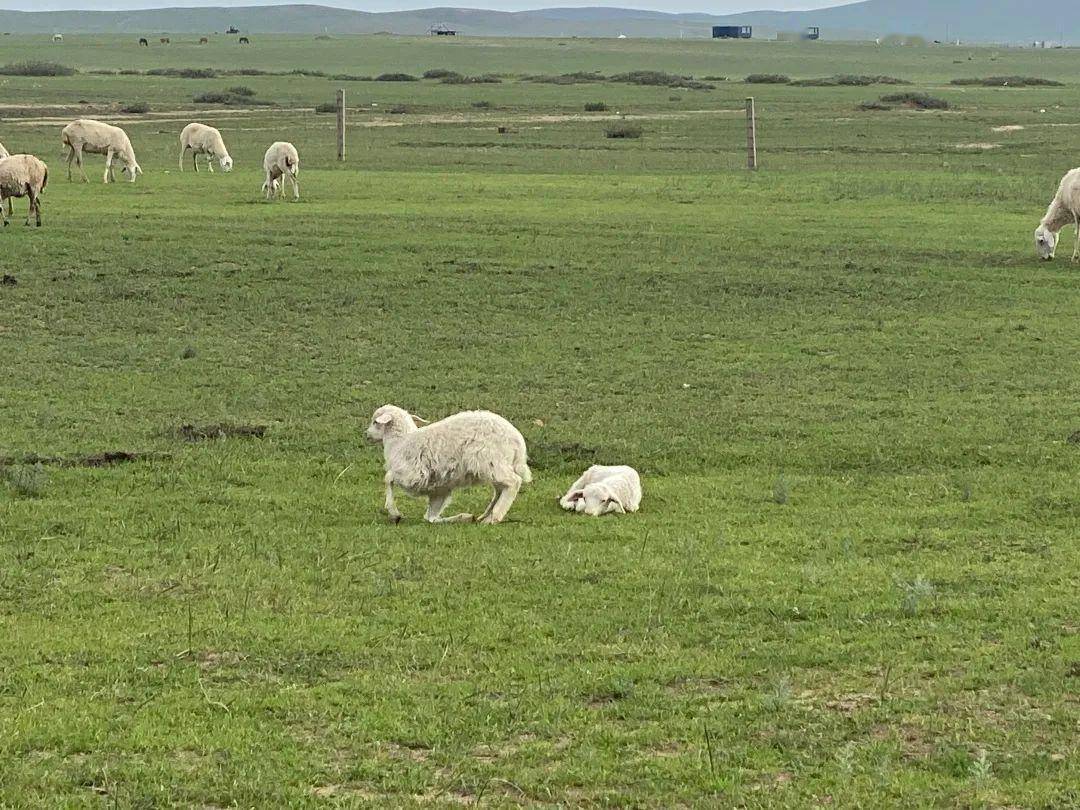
(45, 179)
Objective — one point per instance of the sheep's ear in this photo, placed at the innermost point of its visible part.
(577, 496)
(418, 421)
(384, 419)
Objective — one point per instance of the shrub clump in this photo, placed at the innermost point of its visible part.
(327, 107)
(848, 80)
(1007, 81)
(568, 78)
(241, 90)
(348, 77)
(768, 78)
(183, 73)
(396, 77)
(624, 131)
(36, 68)
(229, 98)
(919, 101)
(656, 78)
(486, 78)
(873, 106)
(136, 107)
(482, 105)
(596, 106)
(440, 73)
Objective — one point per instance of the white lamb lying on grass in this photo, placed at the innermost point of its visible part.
(603, 490)
(1064, 209)
(433, 459)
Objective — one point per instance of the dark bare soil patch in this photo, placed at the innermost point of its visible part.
(106, 459)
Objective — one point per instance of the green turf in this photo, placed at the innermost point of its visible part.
(848, 384)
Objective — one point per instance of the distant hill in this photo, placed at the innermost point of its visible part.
(970, 20)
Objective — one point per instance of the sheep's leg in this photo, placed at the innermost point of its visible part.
(295, 187)
(210, 163)
(1076, 249)
(71, 157)
(435, 506)
(490, 506)
(195, 160)
(503, 501)
(183, 152)
(79, 163)
(5, 212)
(108, 164)
(34, 206)
(391, 507)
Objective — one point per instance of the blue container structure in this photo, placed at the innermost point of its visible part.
(732, 32)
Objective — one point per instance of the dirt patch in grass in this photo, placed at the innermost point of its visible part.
(106, 459)
(8, 281)
(199, 433)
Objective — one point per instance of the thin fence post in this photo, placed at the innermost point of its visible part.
(341, 125)
(751, 135)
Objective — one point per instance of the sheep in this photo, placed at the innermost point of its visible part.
(280, 161)
(1064, 209)
(204, 140)
(432, 460)
(22, 176)
(95, 137)
(603, 490)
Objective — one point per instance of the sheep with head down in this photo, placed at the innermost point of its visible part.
(22, 176)
(96, 137)
(1064, 210)
(433, 460)
(280, 161)
(204, 140)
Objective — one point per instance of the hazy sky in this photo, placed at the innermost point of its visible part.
(710, 6)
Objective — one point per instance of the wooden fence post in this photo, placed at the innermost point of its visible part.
(341, 125)
(751, 135)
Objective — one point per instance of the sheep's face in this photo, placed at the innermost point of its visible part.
(596, 500)
(1045, 243)
(390, 422)
(132, 171)
(226, 163)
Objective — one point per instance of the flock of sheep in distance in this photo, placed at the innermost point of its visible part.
(423, 459)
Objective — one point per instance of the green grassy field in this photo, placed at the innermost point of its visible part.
(849, 385)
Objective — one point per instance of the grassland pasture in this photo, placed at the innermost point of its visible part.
(849, 385)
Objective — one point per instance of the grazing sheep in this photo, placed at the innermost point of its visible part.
(245, 41)
(95, 137)
(432, 460)
(1065, 209)
(602, 490)
(143, 42)
(204, 41)
(204, 140)
(3, 152)
(164, 40)
(280, 161)
(22, 176)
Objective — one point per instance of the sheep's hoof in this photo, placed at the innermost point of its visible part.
(395, 519)
(490, 521)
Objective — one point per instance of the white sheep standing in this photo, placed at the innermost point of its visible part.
(602, 490)
(1064, 209)
(22, 176)
(96, 137)
(280, 161)
(434, 459)
(204, 140)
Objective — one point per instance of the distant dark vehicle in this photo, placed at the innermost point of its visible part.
(164, 40)
(245, 41)
(233, 30)
(732, 32)
(203, 40)
(144, 41)
(442, 31)
(813, 33)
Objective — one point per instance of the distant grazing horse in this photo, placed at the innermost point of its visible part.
(245, 41)
(164, 40)
(143, 41)
(203, 40)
